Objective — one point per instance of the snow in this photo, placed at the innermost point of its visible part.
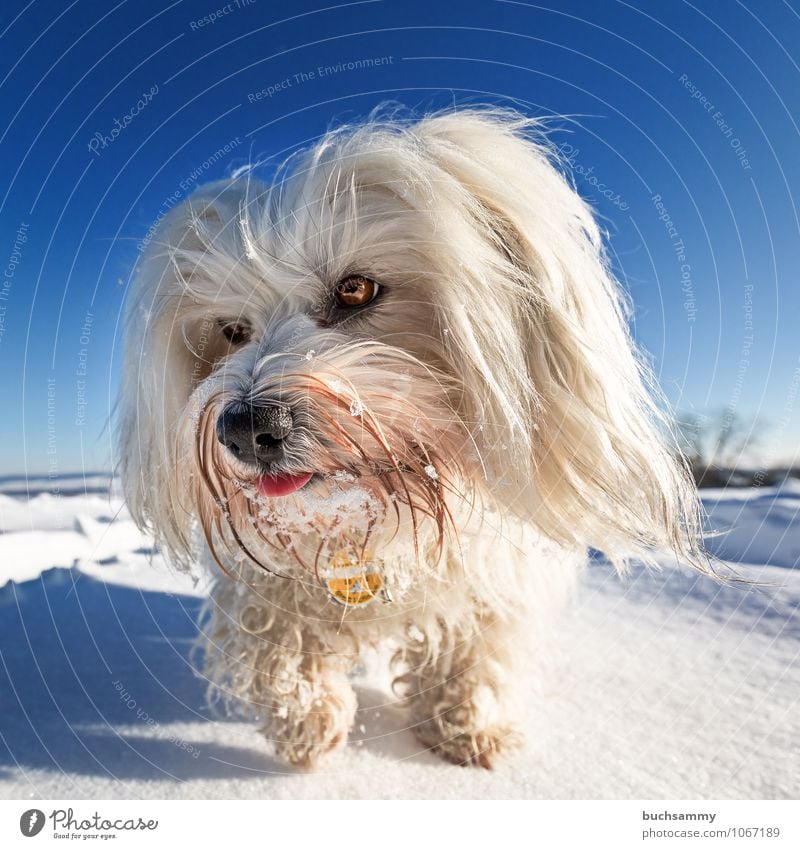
(759, 528)
(665, 685)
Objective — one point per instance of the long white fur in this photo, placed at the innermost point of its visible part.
(498, 355)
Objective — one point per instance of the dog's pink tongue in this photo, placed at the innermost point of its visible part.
(282, 485)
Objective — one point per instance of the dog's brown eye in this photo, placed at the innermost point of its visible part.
(355, 291)
(235, 332)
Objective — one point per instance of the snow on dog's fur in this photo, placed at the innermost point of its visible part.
(473, 426)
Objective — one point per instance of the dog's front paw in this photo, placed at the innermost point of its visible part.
(469, 747)
(304, 732)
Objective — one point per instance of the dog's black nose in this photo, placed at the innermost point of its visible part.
(254, 434)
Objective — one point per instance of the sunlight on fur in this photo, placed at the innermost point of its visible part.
(406, 351)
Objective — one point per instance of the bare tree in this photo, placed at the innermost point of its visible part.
(715, 445)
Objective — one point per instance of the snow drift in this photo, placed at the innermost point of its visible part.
(666, 685)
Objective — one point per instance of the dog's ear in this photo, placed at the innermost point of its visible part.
(169, 339)
(570, 432)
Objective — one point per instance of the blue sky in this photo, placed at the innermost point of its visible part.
(683, 133)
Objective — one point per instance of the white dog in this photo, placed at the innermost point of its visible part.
(394, 397)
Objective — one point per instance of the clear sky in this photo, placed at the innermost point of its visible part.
(683, 132)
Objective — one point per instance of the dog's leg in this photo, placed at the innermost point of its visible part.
(284, 668)
(460, 692)
(309, 700)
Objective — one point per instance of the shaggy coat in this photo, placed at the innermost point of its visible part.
(472, 430)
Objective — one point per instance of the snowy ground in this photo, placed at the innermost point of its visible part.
(666, 686)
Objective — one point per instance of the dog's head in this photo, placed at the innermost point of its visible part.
(410, 319)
